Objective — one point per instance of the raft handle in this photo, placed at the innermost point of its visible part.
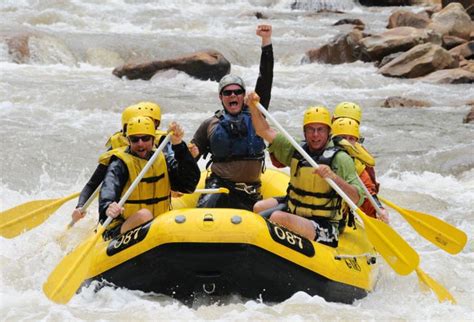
(211, 290)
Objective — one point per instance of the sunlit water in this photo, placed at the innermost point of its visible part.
(57, 110)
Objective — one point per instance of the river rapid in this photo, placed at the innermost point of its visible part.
(58, 109)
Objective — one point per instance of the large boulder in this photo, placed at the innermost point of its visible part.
(419, 61)
(398, 101)
(376, 47)
(358, 24)
(404, 18)
(18, 48)
(342, 49)
(467, 65)
(385, 3)
(38, 48)
(450, 76)
(203, 65)
(469, 118)
(465, 3)
(452, 20)
(450, 42)
(465, 50)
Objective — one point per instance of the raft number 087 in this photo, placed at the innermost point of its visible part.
(291, 240)
(127, 239)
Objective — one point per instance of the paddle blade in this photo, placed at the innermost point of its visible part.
(70, 273)
(394, 249)
(440, 233)
(24, 217)
(441, 292)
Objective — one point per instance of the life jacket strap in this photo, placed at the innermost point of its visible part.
(153, 179)
(150, 201)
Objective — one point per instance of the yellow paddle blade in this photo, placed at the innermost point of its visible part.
(71, 272)
(393, 248)
(441, 292)
(24, 217)
(440, 233)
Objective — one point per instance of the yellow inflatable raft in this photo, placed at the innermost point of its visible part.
(190, 252)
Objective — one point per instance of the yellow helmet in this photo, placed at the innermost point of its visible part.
(345, 126)
(317, 114)
(127, 114)
(348, 109)
(152, 110)
(141, 125)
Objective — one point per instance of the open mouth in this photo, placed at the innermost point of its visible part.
(233, 103)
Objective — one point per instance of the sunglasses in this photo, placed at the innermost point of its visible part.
(228, 92)
(135, 139)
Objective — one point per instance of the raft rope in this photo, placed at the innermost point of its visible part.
(371, 258)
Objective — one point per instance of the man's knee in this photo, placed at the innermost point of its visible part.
(280, 217)
(143, 215)
(261, 206)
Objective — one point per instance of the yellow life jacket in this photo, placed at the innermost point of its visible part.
(309, 195)
(360, 167)
(154, 190)
(117, 140)
(105, 157)
(357, 151)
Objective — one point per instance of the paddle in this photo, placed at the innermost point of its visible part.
(441, 292)
(86, 205)
(435, 230)
(24, 217)
(211, 191)
(70, 273)
(394, 249)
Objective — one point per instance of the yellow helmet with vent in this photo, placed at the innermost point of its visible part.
(151, 109)
(141, 125)
(317, 114)
(348, 109)
(345, 126)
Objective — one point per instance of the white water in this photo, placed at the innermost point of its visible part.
(57, 110)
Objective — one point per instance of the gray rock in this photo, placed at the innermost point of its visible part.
(202, 65)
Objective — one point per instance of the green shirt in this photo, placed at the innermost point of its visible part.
(342, 164)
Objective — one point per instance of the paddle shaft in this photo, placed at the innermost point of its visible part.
(86, 204)
(371, 198)
(211, 191)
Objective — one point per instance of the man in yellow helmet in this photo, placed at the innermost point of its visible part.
(153, 194)
(314, 210)
(117, 140)
(348, 129)
(237, 153)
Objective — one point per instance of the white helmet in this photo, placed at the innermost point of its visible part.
(230, 79)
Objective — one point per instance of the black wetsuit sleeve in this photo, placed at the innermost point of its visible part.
(265, 78)
(114, 182)
(96, 179)
(183, 170)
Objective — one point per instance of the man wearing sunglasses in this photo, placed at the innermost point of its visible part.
(117, 140)
(237, 153)
(152, 196)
